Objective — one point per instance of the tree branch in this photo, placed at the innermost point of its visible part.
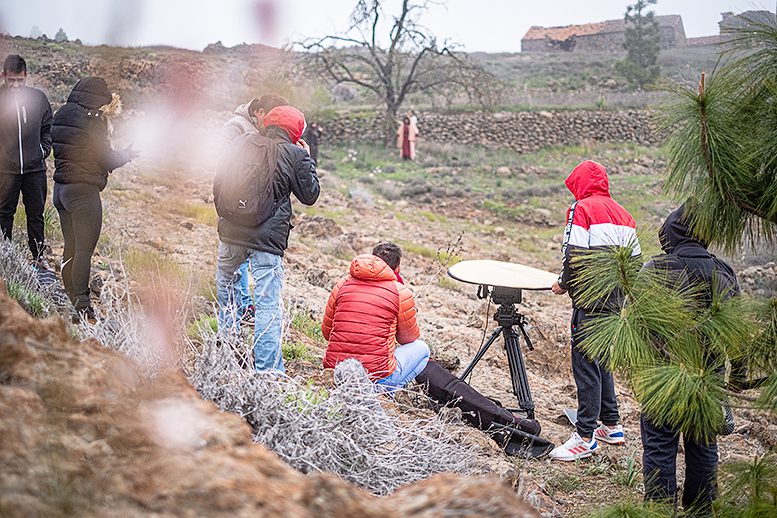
(710, 165)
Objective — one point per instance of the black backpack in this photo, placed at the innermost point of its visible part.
(243, 186)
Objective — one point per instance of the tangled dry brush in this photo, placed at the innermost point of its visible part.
(349, 430)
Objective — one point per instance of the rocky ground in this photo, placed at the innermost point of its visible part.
(84, 434)
(160, 218)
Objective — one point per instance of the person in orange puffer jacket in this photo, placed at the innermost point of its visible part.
(371, 316)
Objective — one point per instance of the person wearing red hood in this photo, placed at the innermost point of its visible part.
(594, 221)
(369, 313)
(264, 244)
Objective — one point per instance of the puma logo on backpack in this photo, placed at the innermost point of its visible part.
(243, 185)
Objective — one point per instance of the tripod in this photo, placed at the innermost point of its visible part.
(508, 318)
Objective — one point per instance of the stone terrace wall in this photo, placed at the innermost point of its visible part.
(520, 131)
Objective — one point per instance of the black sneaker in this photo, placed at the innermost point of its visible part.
(248, 315)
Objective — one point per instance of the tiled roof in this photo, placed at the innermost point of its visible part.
(702, 40)
(589, 29)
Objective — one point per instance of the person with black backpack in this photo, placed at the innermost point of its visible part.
(687, 263)
(252, 192)
(248, 117)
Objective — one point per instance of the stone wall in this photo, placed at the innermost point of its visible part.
(520, 131)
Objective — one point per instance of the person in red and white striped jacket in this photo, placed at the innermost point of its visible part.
(594, 221)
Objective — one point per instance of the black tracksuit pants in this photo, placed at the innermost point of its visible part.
(81, 215)
(595, 384)
(659, 467)
(32, 188)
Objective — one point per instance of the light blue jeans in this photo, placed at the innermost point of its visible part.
(267, 271)
(411, 360)
(245, 294)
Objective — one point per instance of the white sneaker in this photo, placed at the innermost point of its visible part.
(575, 448)
(610, 434)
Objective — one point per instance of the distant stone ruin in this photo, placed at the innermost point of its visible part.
(609, 35)
(601, 36)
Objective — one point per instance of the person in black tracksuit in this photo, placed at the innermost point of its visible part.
(25, 142)
(688, 263)
(83, 158)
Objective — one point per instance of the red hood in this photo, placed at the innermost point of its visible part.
(289, 119)
(588, 179)
(369, 267)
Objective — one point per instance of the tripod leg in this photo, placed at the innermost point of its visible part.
(518, 372)
(480, 354)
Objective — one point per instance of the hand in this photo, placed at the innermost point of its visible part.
(558, 290)
(304, 145)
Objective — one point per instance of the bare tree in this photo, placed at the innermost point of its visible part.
(411, 60)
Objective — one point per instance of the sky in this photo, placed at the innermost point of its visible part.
(477, 25)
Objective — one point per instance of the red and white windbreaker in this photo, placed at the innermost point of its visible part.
(594, 221)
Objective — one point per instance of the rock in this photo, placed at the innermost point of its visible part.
(610, 83)
(317, 277)
(318, 226)
(503, 172)
(475, 320)
(447, 358)
(187, 225)
(360, 196)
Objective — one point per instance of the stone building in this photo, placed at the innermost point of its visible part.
(731, 22)
(601, 36)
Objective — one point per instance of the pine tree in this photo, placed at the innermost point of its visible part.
(722, 153)
(35, 32)
(722, 140)
(60, 36)
(643, 44)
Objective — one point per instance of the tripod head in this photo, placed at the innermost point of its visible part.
(506, 315)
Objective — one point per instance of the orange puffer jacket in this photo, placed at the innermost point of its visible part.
(365, 313)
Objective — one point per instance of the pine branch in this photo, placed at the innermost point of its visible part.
(707, 154)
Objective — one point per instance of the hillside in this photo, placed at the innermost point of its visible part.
(533, 80)
(456, 202)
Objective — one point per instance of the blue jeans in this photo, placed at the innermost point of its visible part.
(267, 271)
(411, 360)
(245, 294)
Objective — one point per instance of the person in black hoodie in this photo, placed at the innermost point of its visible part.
(687, 263)
(25, 142)
(83, 158)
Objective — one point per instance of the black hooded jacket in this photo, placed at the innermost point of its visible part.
(295, 174)
(82, 147)
(689, 263)
(25, 130)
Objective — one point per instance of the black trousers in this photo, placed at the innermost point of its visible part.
(659, 467)
(32, 187)
(595, 384)
(81, 215)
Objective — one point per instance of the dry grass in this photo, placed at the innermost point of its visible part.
(204, 214)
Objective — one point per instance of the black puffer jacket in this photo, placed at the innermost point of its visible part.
(82, 148)
(689, 263)
(25, 130)
(295, 174)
